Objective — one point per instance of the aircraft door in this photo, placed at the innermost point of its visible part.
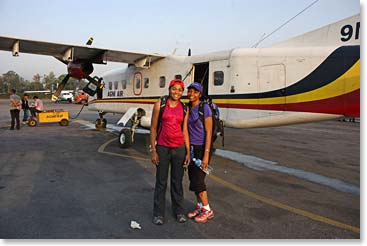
(272, 84)
(219, 84)
(201, 75)
(218, 77)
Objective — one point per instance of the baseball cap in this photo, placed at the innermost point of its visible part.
(177, 81)
(197, 86)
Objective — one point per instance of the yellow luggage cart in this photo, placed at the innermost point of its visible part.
(49, 116)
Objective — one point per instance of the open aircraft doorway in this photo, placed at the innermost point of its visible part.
(201, 75)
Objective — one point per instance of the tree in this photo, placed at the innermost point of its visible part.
(37, 78)
(11, 80)
(72, 84)
(49, 81)
(34, 86)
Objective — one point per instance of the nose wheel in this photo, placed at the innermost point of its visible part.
(125, 138)
(101, 122)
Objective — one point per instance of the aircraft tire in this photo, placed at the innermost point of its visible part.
(99, 124)
(104, 123)
(64, 122)
(125, 139)
(32, 123)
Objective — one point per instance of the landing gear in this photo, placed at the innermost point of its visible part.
(126, 137)
(101, 123)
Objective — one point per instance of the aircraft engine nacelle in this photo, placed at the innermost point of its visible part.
(80, 69)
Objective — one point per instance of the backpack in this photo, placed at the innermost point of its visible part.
(163, 104)
(218, 126)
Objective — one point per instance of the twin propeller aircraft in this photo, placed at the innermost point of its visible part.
(312, 77)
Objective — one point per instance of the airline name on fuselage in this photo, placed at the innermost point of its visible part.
(115, 93)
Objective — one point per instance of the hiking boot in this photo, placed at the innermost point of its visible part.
(194, 213)
(181, 218)
(158, 220)
(204, 216)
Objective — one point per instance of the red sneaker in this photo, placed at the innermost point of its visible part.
(194, 213)
(204, 216)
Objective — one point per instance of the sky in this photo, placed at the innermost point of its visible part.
(156, 26)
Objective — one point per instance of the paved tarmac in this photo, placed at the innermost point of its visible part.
(291, 182)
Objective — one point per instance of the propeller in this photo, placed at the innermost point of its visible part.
(79, 69)
(60, 87)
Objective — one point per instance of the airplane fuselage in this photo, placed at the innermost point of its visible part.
(253, 87)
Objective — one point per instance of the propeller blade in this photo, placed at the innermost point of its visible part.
(59, 89)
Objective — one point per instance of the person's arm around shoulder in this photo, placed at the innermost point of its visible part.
(153, 133)
(187, 138)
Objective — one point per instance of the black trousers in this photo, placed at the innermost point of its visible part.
(14, 113)
(175, 158)
(34, 111)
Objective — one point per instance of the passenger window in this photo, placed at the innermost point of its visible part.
(123, 83)
(218, 78)
(146, 82)
(137, 82)
(162, 82)
(110, 85)
(116, 84)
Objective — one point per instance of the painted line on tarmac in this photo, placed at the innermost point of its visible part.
(284, 206)
(261, 164)
(102, 148)
(258, 164)
(253, 195)
(265, 200)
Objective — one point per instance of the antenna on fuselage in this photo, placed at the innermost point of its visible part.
(90, 41)
(285, 23)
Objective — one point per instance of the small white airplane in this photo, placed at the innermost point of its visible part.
(312, 77)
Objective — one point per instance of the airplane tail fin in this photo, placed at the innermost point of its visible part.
(344, 32)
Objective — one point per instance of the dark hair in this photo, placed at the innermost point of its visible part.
(35, 97)
(25, 94)
(13, 90)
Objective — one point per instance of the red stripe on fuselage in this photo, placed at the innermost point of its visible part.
(347, 104)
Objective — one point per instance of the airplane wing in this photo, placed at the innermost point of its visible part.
(66, 52)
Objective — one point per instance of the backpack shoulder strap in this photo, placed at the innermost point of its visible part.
(163, 103)
(184, 106)
(201, 112)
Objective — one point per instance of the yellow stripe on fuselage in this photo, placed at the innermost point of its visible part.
(348, 82)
